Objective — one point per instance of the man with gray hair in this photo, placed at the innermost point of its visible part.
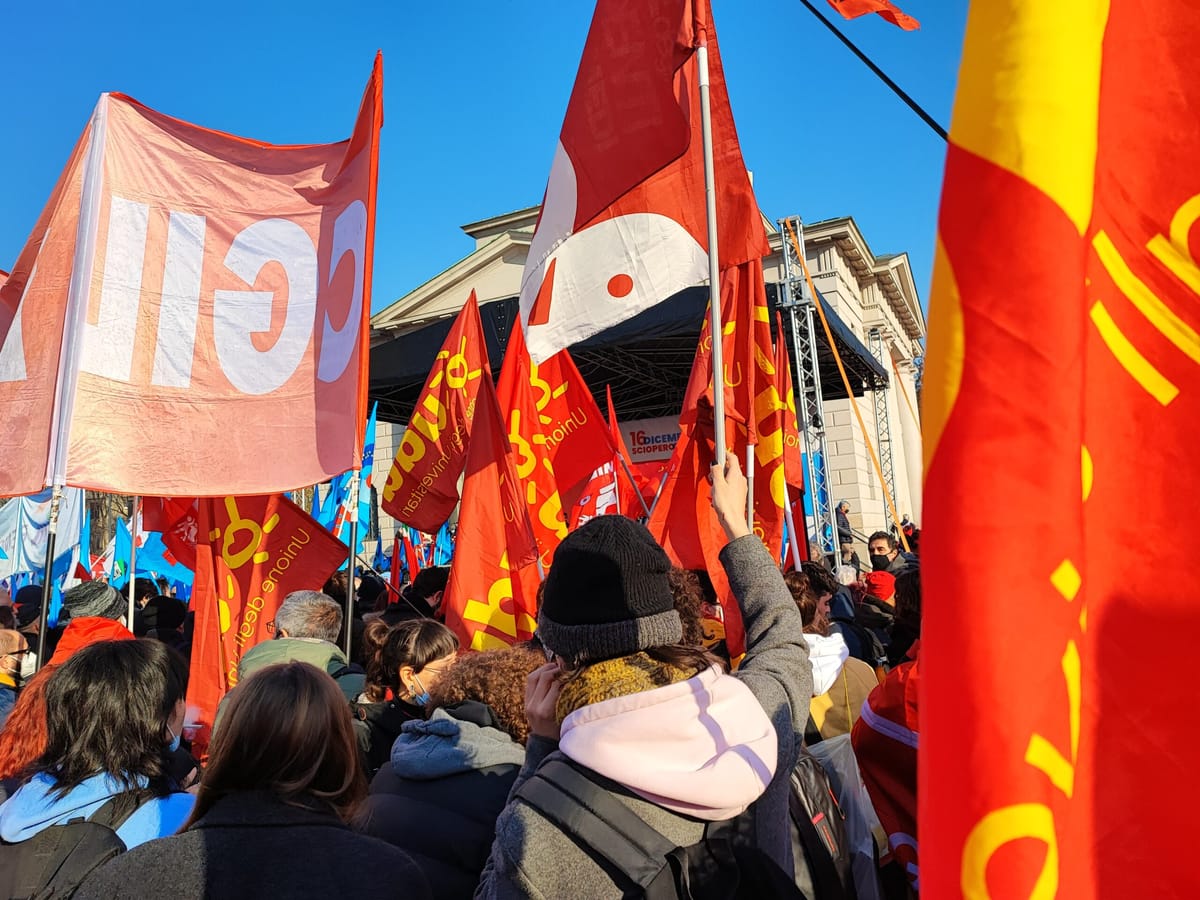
(306, 629)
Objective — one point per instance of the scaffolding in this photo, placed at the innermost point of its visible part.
(799, 311)
(883, 428)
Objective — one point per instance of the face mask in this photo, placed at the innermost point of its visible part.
(28, 665)
(422, 698)
(173, 745)
(879, 563)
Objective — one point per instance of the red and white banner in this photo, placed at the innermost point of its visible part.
(623, 223)
(188, 281)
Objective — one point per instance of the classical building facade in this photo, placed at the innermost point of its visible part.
(874, 296)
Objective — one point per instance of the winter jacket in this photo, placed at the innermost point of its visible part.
(439, 797)
(251, 845)
(322, 654)
(33, 808)
(663, 757)
(840, 685)
(376, 727)
(84, 632)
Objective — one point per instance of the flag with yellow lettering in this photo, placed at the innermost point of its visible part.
(793, 462)
(576, 435)
(422, 486)
(251, 552)
(484, 601)
(1060, 401)
(530, 453)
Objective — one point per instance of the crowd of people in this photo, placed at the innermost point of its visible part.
(620, 752)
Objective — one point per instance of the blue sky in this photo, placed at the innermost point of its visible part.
(474, 98)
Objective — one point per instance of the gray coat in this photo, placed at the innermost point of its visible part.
(532, 858)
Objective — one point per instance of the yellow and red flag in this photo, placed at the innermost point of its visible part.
(1060, 402)
(184, 280)
(577, 437)
(793, 463)
(422, 486)
(485, 603)
(251, 553)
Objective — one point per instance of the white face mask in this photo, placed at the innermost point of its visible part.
(28, 664)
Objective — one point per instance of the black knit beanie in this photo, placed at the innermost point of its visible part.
(607, 594)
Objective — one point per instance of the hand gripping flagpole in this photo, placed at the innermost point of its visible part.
(714, 264)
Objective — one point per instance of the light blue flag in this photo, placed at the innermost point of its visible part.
(443, 546)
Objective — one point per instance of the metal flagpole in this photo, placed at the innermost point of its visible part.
(47, 574)
(790, 521)
(133, 533)
(750, 485)
(353, 558)
(714, 263)
(629, 475)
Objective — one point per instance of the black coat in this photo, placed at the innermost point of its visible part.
(252, 846)
(445, 822)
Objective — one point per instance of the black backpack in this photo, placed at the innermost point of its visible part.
(56, 860)
(819, 846)
(723, 865)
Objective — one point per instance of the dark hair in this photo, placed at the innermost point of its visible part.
(335, 588)
(8, 619)
(883, 536)
(803, 596)
(107, 711)
(371, 595)
(416, 643)
(695, 659)
(287, 731)
(374, 636)
(689, 601)
(143, 588)
(820, 579)
(495, 677)
(908, 598)
(429, 581)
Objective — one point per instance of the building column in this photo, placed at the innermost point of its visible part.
(910, 436)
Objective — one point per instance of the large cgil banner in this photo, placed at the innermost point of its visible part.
(188, 282)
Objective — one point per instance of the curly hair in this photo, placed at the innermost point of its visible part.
(23, 738)
(494, 677)
(689, 603)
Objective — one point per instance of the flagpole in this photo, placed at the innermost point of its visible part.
(750, 486)
(714, 264)
(353, 559)
(790, 521)
(133, 532)
(47, 575)
(629, 475)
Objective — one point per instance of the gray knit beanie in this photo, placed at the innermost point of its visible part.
(607, 594)
(94, 598)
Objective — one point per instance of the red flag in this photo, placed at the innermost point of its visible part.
(1071, 405)
(178, 520)
(623, 223)
(627, 491)
(600, 497)
(394, 573)
(530, 451)
(484, 604)
(852, 9)
(253, 553)
(422, 486)
(793, 464)
(221, 291)
(575, 432)
(411, 557)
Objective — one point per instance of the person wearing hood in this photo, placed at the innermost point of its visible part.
(840, 682)
(655, 726)
(114, 711)
(449, 776)
(96, 612)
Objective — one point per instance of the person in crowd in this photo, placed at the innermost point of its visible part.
(8, 617)
(95, 612)
(28, 606)
(164, 587)
(377, 688)
(423, 598)
(880, 586)
(272, 813)
(650, 723)
(688, 599)
(414, 656)
(906, 629)
(450, 776)
(845, 535)
(306, 628)
(886, 555)
(143, 590)
(885, 740)
(114, 710)
(13, 647)
(337, 589)
(163, 618)
(23, 737)
(840, 682)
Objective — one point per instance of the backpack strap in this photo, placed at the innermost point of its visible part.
(827, 883)
(106, 814)
(607, 828)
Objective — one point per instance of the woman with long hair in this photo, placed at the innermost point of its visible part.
(114, 711)
(408, 663)
(273, 809)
